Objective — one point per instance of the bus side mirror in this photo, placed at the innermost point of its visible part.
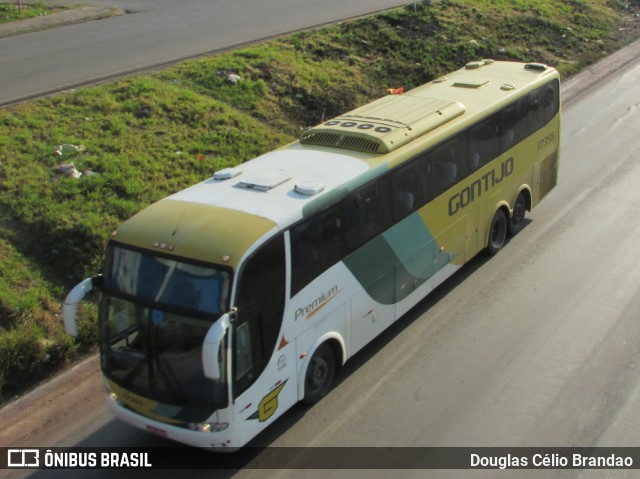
(76, 295)
(211, 347)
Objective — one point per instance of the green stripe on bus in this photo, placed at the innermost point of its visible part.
(392, 266)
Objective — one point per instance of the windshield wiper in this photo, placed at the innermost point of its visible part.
(170, 379)
(135, 371)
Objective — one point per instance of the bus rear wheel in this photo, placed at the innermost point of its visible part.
(517, 217)
(497, 232)
(319, 375)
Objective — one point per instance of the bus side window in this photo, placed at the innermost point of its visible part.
(305, 253)
(550, 100)
(448, 161)
(368, 212)
(484, 142)
(536, 111)
(244, 353)
(317, 244)
(333, 241)
(409, 188)
(514, 123)
(260, 303)
(425, 170)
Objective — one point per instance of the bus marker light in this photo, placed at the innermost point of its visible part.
(303, 355)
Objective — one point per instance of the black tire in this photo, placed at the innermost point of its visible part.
(497, 232)
(319, 376)
(516, 223)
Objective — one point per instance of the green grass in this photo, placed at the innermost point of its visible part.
(151, 135)
(10, 12)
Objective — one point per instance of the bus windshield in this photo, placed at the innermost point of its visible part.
(154, 316)
(201, 290)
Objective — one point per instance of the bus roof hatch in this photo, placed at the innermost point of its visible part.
(385, 124)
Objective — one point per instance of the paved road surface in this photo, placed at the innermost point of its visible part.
(154, 33)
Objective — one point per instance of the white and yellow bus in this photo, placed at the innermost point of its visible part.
(225, 304)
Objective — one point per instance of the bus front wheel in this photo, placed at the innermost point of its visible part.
(497, 232)
(319, 375)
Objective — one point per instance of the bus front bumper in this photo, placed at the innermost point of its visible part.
(216, 441)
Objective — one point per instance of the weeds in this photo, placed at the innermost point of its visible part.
(10, 12)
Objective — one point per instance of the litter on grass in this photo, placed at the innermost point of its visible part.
(67, 149)
(68, 169)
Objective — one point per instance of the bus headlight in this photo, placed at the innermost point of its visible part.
(208, 426)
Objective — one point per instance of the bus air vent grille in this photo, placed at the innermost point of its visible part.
(359, 143)
(385, 124)
(326, 139)
(340, 140)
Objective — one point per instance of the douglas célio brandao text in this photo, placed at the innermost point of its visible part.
(550, 461)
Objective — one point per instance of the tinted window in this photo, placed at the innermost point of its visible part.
(544, 103)
(410, 190)
(484, 142)
(168, 282)
(317, 244)
(551, 100)
(261, 294)
(514, 123)
(448, 162)
(368, 212)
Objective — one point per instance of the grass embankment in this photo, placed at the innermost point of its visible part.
(148, 136)
(11, 12)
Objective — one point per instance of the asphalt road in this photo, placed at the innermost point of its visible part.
(538, 346)
(155, 32)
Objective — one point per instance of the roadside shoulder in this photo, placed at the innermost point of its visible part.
(76, 14)
(575, 86)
